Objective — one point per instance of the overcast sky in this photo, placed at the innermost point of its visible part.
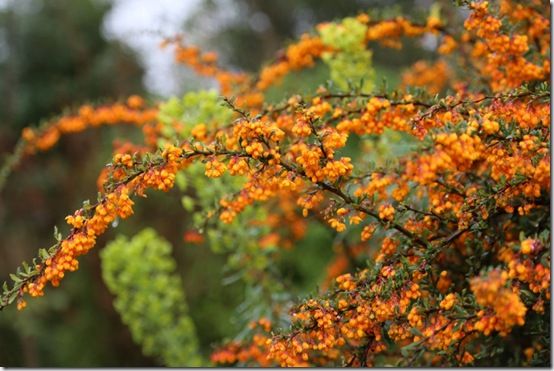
(141, 24)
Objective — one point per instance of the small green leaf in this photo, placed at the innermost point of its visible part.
(405, 351)
(187, 202)
(13, 296)
(43, 254)
(415, 331)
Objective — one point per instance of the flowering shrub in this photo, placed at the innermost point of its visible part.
(456, 229)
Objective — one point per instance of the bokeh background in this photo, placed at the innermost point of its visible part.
(55, 55)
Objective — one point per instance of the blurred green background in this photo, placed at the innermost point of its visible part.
(57, 54)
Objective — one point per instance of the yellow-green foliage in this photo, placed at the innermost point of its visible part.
(351, 61)
(140, 272)
(204, 106)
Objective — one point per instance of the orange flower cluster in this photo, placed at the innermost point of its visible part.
(379, 114)
(85, 230)
(522, 267)
(310, 158)
(386, 212)
(448, 45)
(133, 112)
(297, 56)
(123, 159)
(205, 64)
(350, 327)
(502, 57)
(214, 168)
(253, 354)
(434, 77)
(90, 222)
(532, 18)
(389, 32)
(503, 306)
(388, 247)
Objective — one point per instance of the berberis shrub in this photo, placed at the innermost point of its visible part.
(437, 193)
